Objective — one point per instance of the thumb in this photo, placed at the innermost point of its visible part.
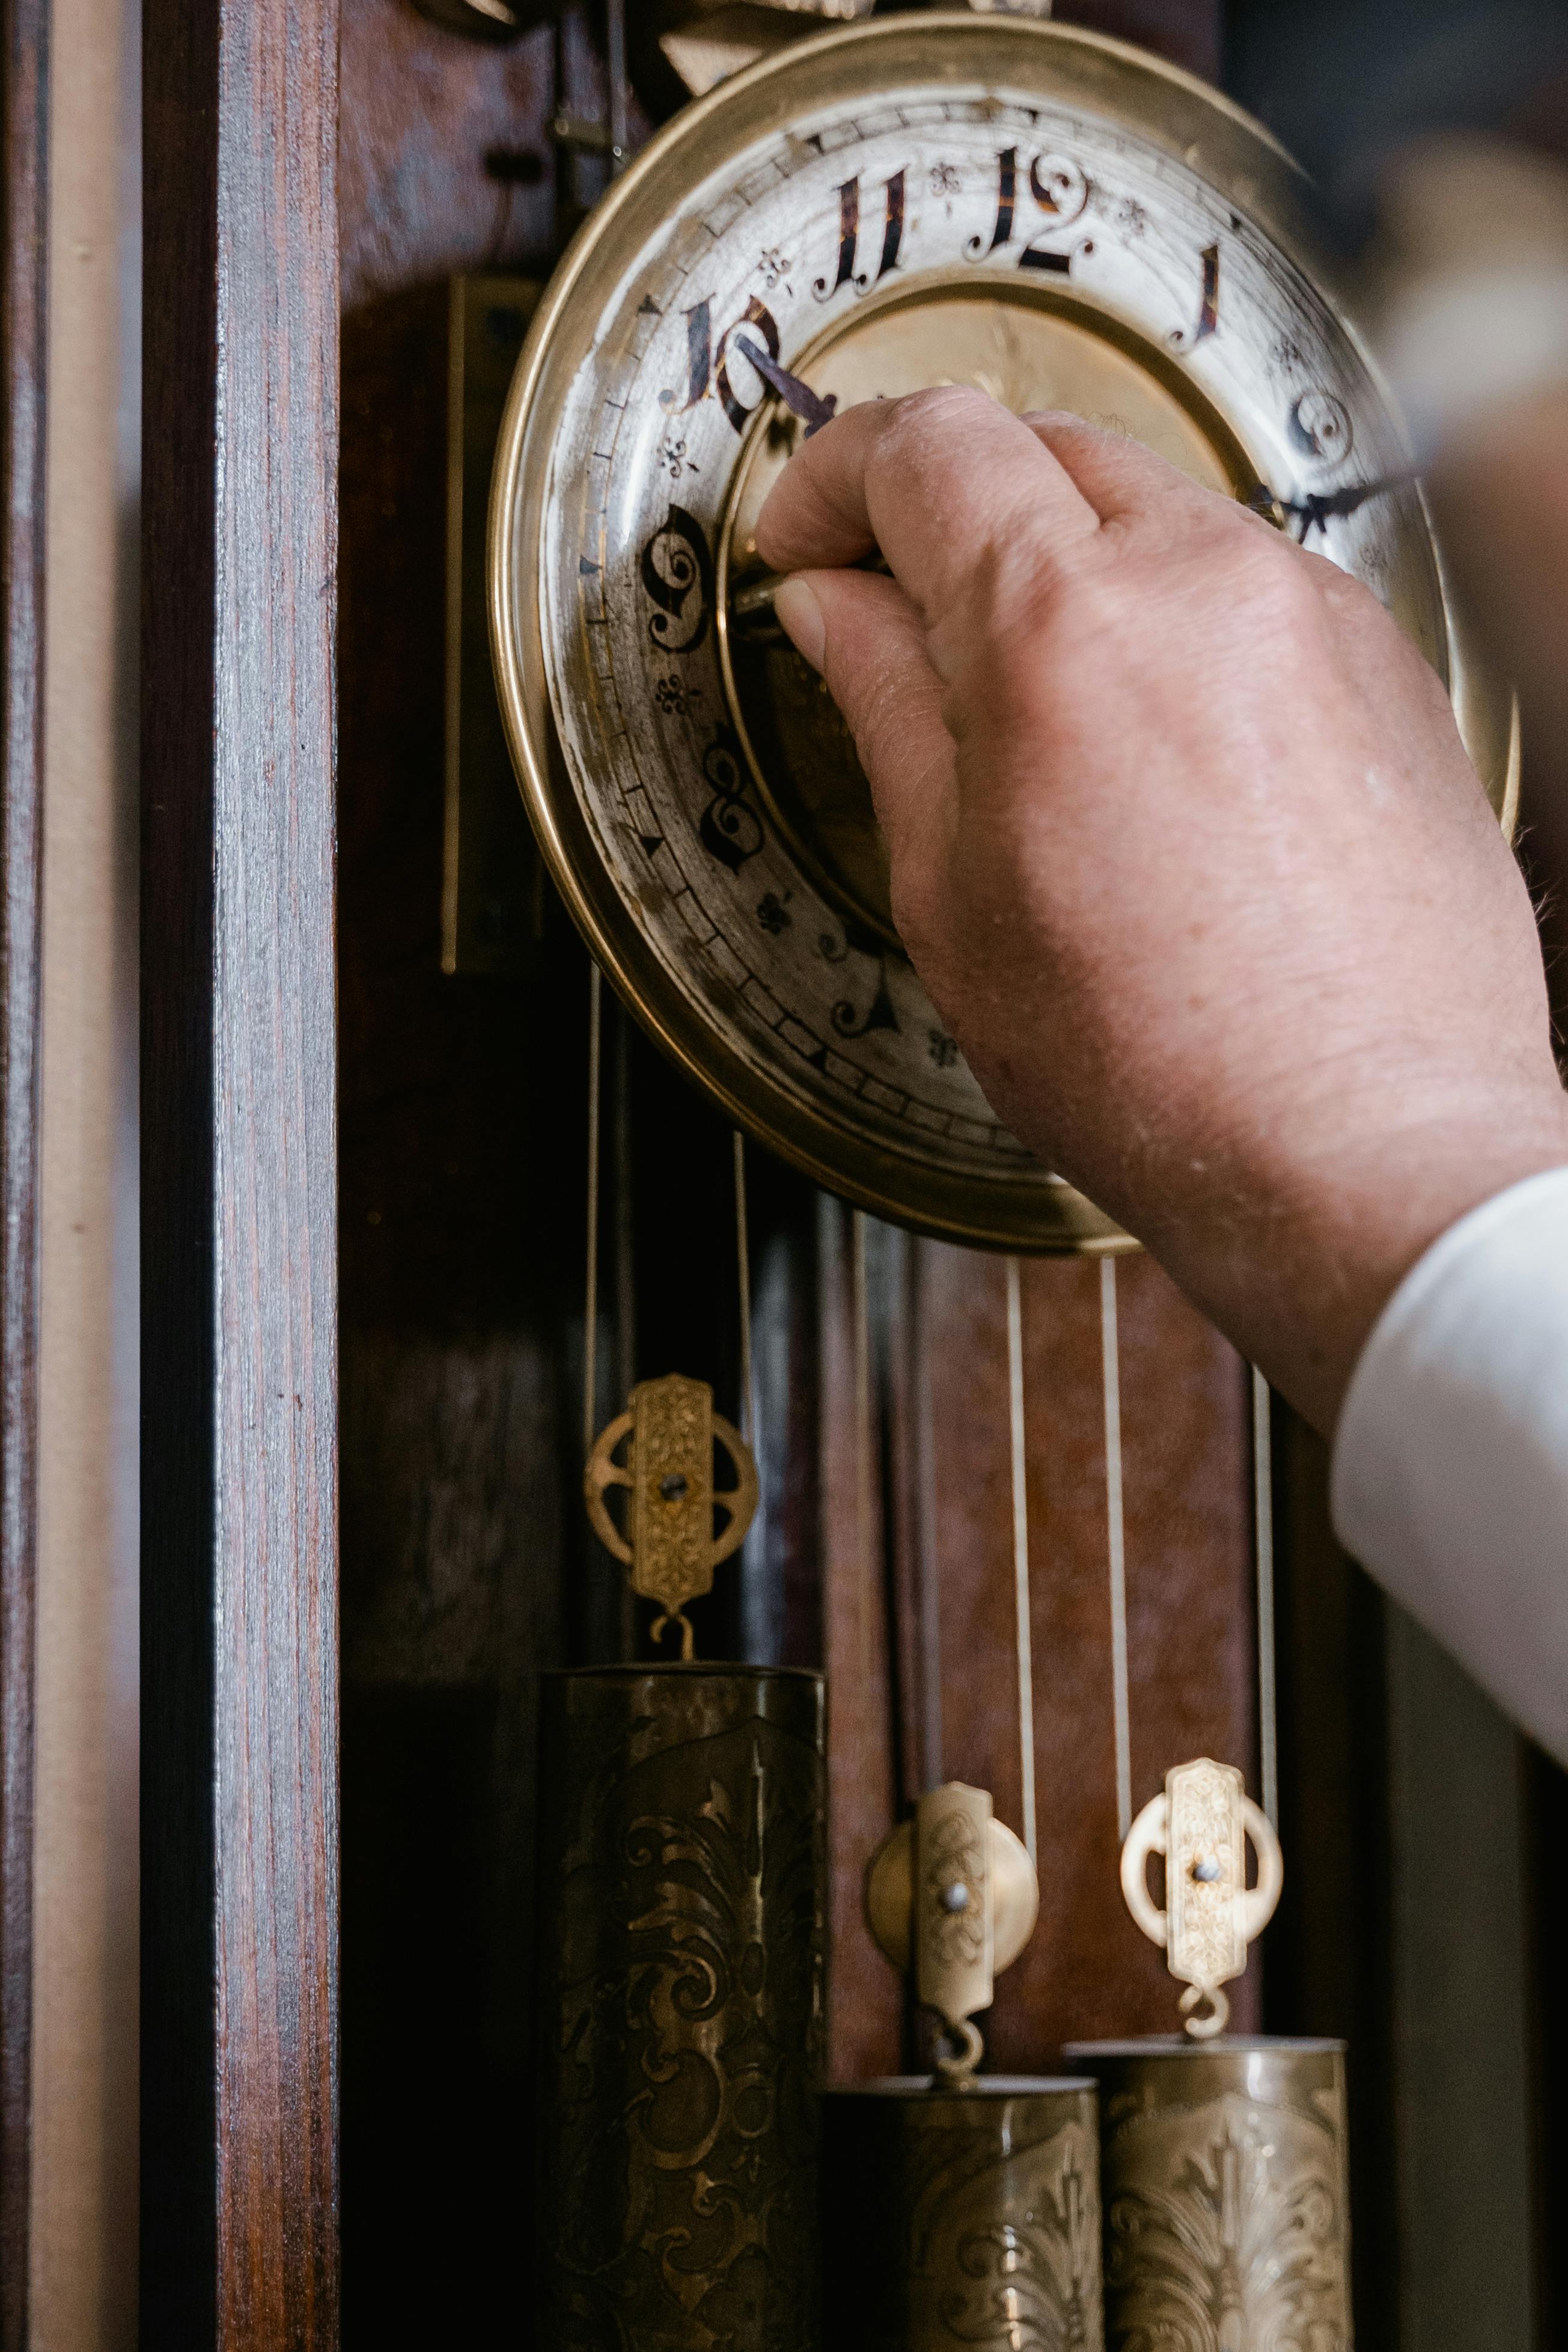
(865, 636)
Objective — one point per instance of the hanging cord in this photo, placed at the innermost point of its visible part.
(625, 1226)
(931, 1771)
(590, 1299)
(1263, 1533)
(1021, 1551)
(1112, 1383)
(743, 1273)
(861, 1316)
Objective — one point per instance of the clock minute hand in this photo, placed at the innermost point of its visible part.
(813, 408)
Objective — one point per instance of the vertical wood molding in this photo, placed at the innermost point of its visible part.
(239, 1635)
(23, 307)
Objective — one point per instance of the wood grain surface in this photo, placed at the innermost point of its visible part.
(239, 1837)
(23, 261)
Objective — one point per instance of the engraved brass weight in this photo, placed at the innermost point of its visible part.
(1223, 2177)
(669, 1544)
(961, 2209)
(961, 2218)
(682, 1910)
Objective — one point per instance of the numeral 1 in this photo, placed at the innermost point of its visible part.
(849, 197)
(1007, 201)
(1209, 305)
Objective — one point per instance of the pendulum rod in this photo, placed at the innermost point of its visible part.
(1263, 1533)
(1021, 1551)
(1116, 1546)
(590, 1297)
(743, 1271)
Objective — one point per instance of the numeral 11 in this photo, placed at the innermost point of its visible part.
(849, 197)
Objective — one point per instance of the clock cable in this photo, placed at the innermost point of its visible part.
(1024, 1642)
(1263, 1544)
(1110, 1376)
(748, 1414)
(1201, 1820)
(625, 1277)
(590, 1285)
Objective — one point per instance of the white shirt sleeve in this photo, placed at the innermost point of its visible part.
(1450, 1462)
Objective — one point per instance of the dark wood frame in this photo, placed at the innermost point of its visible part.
(23, 266)
(239, 1493)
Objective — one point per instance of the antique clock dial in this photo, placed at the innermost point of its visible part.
(1046, 214)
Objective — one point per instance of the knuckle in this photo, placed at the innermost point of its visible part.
(917, 418)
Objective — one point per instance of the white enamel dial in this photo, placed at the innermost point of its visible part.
(923, 200)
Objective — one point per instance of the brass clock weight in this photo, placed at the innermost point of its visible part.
(1062, 221)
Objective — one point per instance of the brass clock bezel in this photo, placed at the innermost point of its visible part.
(1173, 111)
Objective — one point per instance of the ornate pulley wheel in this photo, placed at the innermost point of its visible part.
(1046, 214)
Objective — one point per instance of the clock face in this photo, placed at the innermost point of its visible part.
(926, 200)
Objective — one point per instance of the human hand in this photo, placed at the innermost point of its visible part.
(1187, 849)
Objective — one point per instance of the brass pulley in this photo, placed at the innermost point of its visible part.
(670, 1543)
(1201, 1822)
(951, 1899)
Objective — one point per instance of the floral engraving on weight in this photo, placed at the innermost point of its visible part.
(1225, 2229)
(684, 2033)
(1022, 2234)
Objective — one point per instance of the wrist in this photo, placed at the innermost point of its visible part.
(1298, 1280)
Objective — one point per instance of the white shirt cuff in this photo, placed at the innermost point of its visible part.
(1451, 1462)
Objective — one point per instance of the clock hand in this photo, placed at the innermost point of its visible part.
(1319, 508)
(751, 607)
(813, 408)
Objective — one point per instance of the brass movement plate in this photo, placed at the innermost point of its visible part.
(919, 199)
